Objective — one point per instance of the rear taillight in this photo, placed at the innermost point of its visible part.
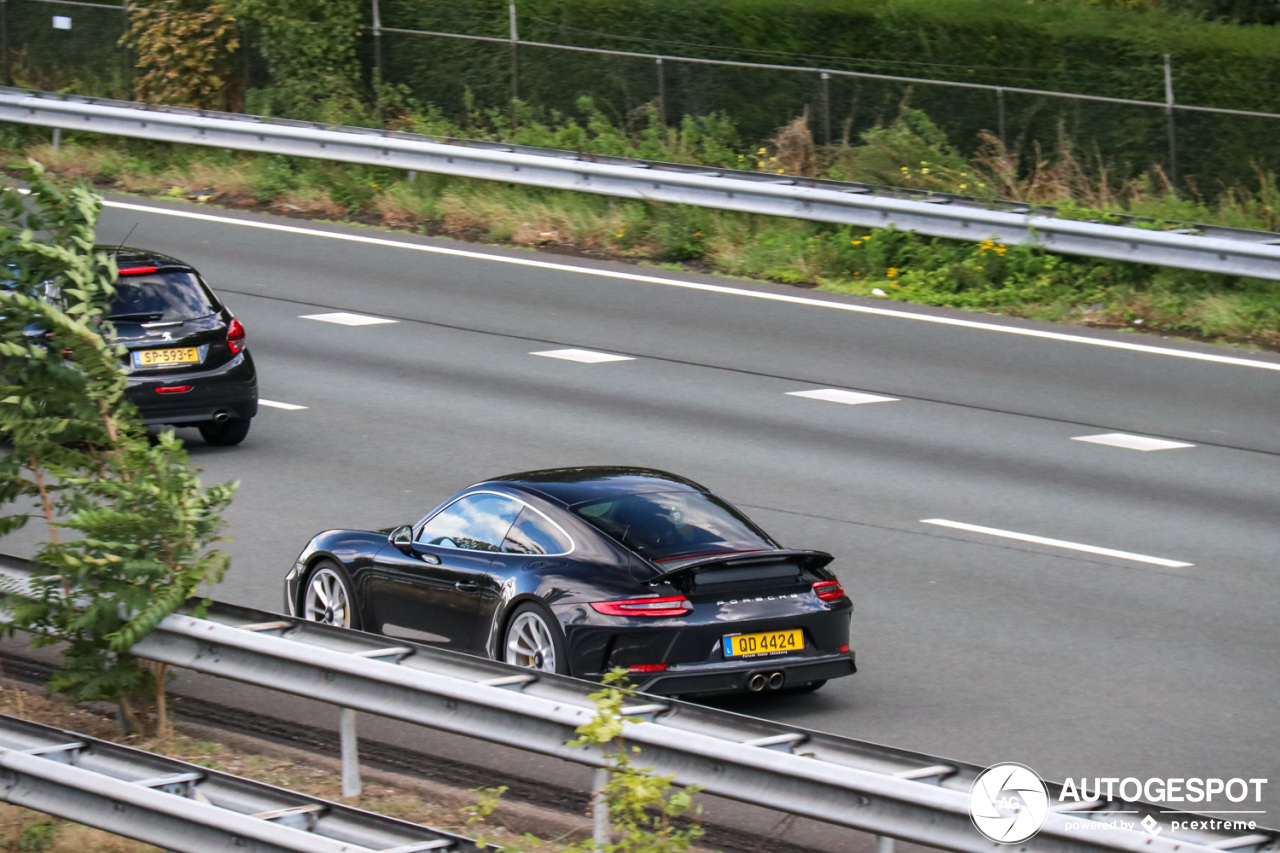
(672, 605)
(137, 270)
(828, 590)
(235, 336)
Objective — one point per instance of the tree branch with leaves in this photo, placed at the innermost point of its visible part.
(129, 524)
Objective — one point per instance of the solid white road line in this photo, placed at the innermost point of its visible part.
(1132, 442)
(707, 288)
(288, 407)
(342, 318)
(585, 356)
(835, 395)
(1057, 543)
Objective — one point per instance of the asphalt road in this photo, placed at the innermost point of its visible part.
(1162, 661)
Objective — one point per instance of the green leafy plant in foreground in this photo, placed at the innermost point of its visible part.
(643, 808)
(129, 526)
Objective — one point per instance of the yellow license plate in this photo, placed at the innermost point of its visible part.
(158, 357)
(767, 643)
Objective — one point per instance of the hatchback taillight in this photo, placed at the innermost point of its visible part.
(235, 336)
(828, 590)
(672, 605)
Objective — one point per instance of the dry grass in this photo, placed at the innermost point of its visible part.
(77, 161)
(584, 222)
(311, 201)
(233, 179)
(402, 206)
(389, 794)
(793, 147)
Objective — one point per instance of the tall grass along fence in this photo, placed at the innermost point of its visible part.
(486, 53)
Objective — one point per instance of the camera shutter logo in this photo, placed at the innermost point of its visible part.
(1008, 803)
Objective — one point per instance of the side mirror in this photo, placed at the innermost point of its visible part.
(402, 537)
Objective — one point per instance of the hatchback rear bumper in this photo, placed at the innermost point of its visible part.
(229, 392)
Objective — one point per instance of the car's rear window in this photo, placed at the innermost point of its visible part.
(669, 525)
(161, 297)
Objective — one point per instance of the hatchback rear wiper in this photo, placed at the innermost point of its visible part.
(140, 317)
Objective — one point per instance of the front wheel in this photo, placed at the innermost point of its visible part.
(327, 597)
(533, 640)
(226, 433)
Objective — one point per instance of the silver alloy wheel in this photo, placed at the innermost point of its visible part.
(529, 643)
(327, 599)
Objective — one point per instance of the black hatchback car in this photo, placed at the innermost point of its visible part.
(187, 359)
(582, 570)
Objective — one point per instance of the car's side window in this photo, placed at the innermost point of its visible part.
(475, 523)
(533, 533)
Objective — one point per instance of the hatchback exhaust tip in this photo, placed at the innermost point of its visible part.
(757, 682)
(775, 680)
(221, 417)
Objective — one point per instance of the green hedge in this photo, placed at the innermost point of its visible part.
(1065, 46)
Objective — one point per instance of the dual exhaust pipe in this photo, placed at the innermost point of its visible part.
(760, 680)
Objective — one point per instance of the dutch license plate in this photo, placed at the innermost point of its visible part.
(159, 357)
(766, 643)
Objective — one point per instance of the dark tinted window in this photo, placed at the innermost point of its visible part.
(161, 297)
(476, 523)
(673, 524)
(535, 534)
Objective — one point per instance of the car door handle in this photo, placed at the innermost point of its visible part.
(428, 557)
(466, 586)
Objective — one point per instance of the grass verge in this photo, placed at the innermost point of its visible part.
(386, 793)
(988, 276)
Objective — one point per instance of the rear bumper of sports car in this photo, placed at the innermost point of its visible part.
(737, 677)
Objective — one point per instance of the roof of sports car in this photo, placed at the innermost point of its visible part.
(576, 485)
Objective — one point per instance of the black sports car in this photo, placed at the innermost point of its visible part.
(581, 570)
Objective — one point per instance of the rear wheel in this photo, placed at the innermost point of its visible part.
(327, 597)
(226, 433)
(533, 640)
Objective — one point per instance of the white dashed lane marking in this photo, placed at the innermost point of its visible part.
(288, 407)
(1057, 543)
(342, 318)
(585, 356)
(1132, 442)
(849, 398)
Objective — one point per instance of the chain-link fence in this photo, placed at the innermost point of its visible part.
(74, 45)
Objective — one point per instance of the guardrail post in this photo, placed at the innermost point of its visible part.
(600, 808)
(351, 786)
(884, 844)
(57, 137)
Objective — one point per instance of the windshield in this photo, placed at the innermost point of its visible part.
(670, 525)
(165, 297)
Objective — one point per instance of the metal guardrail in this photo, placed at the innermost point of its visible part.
(891, 792)
(864, 786)
(188, 808)
(1204, 248)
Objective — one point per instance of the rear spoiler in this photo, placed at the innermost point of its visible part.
(812, 560)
